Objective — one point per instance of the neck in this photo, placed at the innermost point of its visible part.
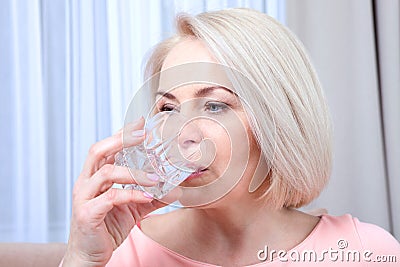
(240, 222)
(238, 230)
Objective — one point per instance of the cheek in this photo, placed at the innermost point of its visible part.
(221, 145)
(232, 144)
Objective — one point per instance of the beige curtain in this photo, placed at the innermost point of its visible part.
(355, 48)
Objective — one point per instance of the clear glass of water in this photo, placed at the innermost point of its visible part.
(165, 152)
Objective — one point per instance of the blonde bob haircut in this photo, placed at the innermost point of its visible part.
(286, 95)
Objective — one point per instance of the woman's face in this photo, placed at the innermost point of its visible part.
(232, 153)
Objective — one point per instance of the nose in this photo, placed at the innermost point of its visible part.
(189, 140)
(190, 134)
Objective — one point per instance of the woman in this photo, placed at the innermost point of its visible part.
(255, 222)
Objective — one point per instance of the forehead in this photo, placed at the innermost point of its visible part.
(190, 65)
(187, 51)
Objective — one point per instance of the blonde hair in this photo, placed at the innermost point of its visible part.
(286, 99)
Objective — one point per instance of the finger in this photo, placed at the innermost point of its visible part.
(131, 131)
(156, 204)
(104, 203)
(110, 159)
(171, 197)
(100, 152)
(109, 174)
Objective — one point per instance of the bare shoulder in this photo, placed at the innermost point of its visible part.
(300, 226)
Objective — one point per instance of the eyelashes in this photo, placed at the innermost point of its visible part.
(168, 107)
(216, 107)
(212, 107)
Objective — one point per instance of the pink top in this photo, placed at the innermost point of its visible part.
(335, 241)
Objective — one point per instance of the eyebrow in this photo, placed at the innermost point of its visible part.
(206, 91)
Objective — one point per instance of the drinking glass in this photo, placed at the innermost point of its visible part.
(163, 153)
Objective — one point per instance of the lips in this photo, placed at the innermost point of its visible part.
(197, 168)
(201, 169)
(197, 174)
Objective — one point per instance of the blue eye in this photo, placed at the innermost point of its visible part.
(216, 107)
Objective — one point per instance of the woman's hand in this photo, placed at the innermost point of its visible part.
(102, 217)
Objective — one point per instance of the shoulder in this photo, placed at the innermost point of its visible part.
(145, 245)
(374, 237)
(367, 233)
(352, 234)
(138, 249)
(127, 253)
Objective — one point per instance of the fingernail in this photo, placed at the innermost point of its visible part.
(147, 195)
(153, 176)
(136, 122)
(138, 133)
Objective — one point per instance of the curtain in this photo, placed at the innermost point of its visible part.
(355, 47)
(68, 69)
